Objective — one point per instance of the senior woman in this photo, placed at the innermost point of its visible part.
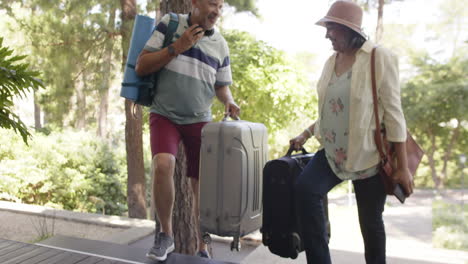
(345, 128)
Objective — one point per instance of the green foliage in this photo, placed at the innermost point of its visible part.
(435, 103)
(449, 225)
(15, 80)
(71, 170)
(69, 41)
(244, 5)
(438, 93)
(43, 228)
(269, 88)
(449, 33)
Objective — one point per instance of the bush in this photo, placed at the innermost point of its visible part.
(69, 170)
(449, 225)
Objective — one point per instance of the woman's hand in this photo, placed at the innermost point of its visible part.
(402, 175)
(405, 179)
(298, 141)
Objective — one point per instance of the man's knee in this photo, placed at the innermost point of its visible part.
(163, 164)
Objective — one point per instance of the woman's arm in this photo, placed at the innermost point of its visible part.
(388, 85)
(402, 175)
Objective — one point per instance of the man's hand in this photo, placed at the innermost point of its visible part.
(191, 36)
(231, 109)
(403, 176)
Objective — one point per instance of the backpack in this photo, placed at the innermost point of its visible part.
(141, 90)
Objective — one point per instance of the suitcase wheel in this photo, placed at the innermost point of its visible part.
(206, 238)
(265, 239)
(235, 244)
(296, 245)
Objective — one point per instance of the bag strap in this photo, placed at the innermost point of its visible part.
(142, 83)
(378, 136)
(171, 29)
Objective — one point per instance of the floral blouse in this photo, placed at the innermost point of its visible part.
(334, 127)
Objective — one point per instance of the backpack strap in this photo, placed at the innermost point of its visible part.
(171, 29)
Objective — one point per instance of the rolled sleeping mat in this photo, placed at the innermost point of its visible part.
(142, 30)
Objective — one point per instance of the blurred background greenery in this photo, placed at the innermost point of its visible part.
(62, 98)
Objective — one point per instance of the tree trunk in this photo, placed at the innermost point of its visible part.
(176, 6)
(37, 113)
(80, 121)
(133, 128)
(183, 221)
(448, 152)
(184, 228)
(379, 29)
(432, 165)
(104, 91)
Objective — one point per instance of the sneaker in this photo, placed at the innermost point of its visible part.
(203, 254)
(163, 245)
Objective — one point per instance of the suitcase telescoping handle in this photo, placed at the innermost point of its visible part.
(226, 116)
(291, 149)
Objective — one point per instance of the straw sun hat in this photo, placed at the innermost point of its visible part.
(346, 13)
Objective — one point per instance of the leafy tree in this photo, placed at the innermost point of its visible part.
(136, 188)
(269, 88)
(379, 4)
(244, 5)
(16, 79)
(72, 41)
(450, 31)
(436, 105)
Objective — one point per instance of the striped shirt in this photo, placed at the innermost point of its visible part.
(186, 85)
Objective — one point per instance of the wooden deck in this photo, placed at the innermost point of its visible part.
(68, 250)
(17, 252)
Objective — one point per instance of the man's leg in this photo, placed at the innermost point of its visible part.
(165, 139)
(163, 189)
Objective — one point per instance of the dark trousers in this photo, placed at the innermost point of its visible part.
(316, 180)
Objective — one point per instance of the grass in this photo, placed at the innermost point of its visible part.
(450, 225)
(43, 229)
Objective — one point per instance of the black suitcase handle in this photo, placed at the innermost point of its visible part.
(291, 149)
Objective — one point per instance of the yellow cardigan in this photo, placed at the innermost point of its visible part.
(362, 151)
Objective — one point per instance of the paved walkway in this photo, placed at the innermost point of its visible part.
(408, 227)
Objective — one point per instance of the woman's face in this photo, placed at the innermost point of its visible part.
(339, 36)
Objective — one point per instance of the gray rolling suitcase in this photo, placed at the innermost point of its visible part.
(232, 157)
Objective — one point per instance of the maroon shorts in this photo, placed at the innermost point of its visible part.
(165, 137)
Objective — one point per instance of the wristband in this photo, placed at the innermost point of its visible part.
(308, 132)
(171, 50)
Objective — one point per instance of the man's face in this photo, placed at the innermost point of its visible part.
(206, 12)
(339, 36)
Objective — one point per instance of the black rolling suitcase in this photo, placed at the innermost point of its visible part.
(279, 228)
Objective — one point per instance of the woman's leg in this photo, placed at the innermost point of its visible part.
(312, 185)
(370, 197)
